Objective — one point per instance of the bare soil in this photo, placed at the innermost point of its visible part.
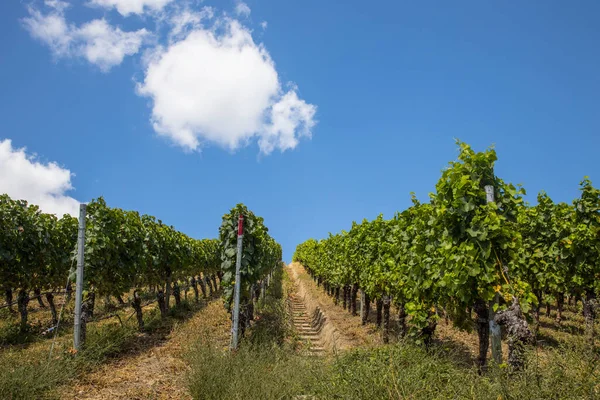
(154, 367)
(349, 332)
(157, 372)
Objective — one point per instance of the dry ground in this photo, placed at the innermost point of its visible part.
(152, 365)
(159, 371)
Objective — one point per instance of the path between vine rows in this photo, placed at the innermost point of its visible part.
(354, 334)
(324, 327)
(159, 370)
(303, 323)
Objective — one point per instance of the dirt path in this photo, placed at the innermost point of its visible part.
(338, 330)
(463, 344)
(307, 331)
(157, 372)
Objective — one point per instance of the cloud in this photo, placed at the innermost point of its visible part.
(50, 29)
(242, 9)
(186, 19)
(208, 84)
(127, 7)
(96, 41)
(46, 185)
(291, 118)
(58, 5)
(106, 46)
(218, 86)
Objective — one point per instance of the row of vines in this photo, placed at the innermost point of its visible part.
(261, 254)
(124, 252)
(463, 252)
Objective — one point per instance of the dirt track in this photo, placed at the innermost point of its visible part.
(338, 329)
(158, 371)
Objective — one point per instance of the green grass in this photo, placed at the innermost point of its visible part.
(408, 371)
(251, 373)
(26, 372)
(264, 367)
(30, 378)
(267, 367)
(401, 371)
(32, 374)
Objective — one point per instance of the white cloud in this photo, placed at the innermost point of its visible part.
(218, 86)
(127, 7)
(185, 20)
(291, 118)
(106, 46)
(242, 9)
(46, 185)
(51, 29)
(208, 84)
(58, 5)
(96, 41)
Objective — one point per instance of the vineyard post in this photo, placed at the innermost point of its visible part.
(495, 330)
(236, 293)
(79, 282)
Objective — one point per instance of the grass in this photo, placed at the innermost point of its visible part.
(251, 373)
(267, 367)
(408, 371)
(270, 365)
(400, 371)
(31, 374)
(28, 373)
(30, 378)
(39, 320)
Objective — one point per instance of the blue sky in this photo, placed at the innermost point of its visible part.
(383, 88)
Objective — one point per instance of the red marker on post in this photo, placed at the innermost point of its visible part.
(241, 225)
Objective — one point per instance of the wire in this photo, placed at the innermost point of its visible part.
(145, 305)
(59, 316)
(31, 298)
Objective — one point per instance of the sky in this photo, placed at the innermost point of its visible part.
(314, 114)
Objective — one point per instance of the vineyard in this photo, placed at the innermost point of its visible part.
(124, 252)
(476, 256)
(261, 254)
(134, 259)
(475, 248)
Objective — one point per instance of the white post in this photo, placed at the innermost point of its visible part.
(236, 293)
(79, 283)
(495, 330)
